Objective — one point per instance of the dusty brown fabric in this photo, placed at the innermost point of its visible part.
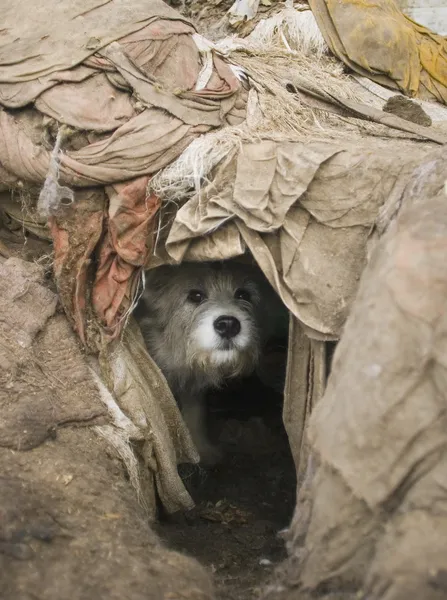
(145, 144)
(144, 395)
(133, 88)
(378, 519)
(412, 271)
(45, 382)
(76, 231)
(305, 382)
(163, 75)
(18, 213)
(343, 106)
(76, 30)
(93, 105)
(377, 40)
(16, 95)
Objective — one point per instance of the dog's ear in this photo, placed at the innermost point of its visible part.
(154, 281)
(157, 278)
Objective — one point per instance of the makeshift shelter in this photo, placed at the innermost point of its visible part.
(128, 140)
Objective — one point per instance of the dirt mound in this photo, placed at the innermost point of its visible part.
(44, 380)
(71, 526)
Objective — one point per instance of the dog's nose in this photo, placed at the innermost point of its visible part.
(227, 327)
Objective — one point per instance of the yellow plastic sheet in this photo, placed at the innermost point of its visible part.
(376, 40)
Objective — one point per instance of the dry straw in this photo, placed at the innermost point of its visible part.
(283, 53)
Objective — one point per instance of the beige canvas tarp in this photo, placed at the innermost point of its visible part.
(304, 210)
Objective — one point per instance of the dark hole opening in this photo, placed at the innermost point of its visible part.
(246, 500)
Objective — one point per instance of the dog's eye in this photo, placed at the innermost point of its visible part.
(196, 296)
(242, 294)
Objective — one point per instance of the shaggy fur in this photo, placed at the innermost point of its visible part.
(204, 323)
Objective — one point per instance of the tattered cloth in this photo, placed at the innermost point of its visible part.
(135, 87)
(304, 210)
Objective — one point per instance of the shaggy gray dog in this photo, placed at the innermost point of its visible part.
(204, 323)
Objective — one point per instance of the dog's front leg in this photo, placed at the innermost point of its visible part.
(193, 409)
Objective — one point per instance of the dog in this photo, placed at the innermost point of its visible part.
(205, 323)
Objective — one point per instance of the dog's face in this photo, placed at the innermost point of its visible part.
(203, 317)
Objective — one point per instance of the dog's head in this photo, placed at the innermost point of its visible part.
(203, 317)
